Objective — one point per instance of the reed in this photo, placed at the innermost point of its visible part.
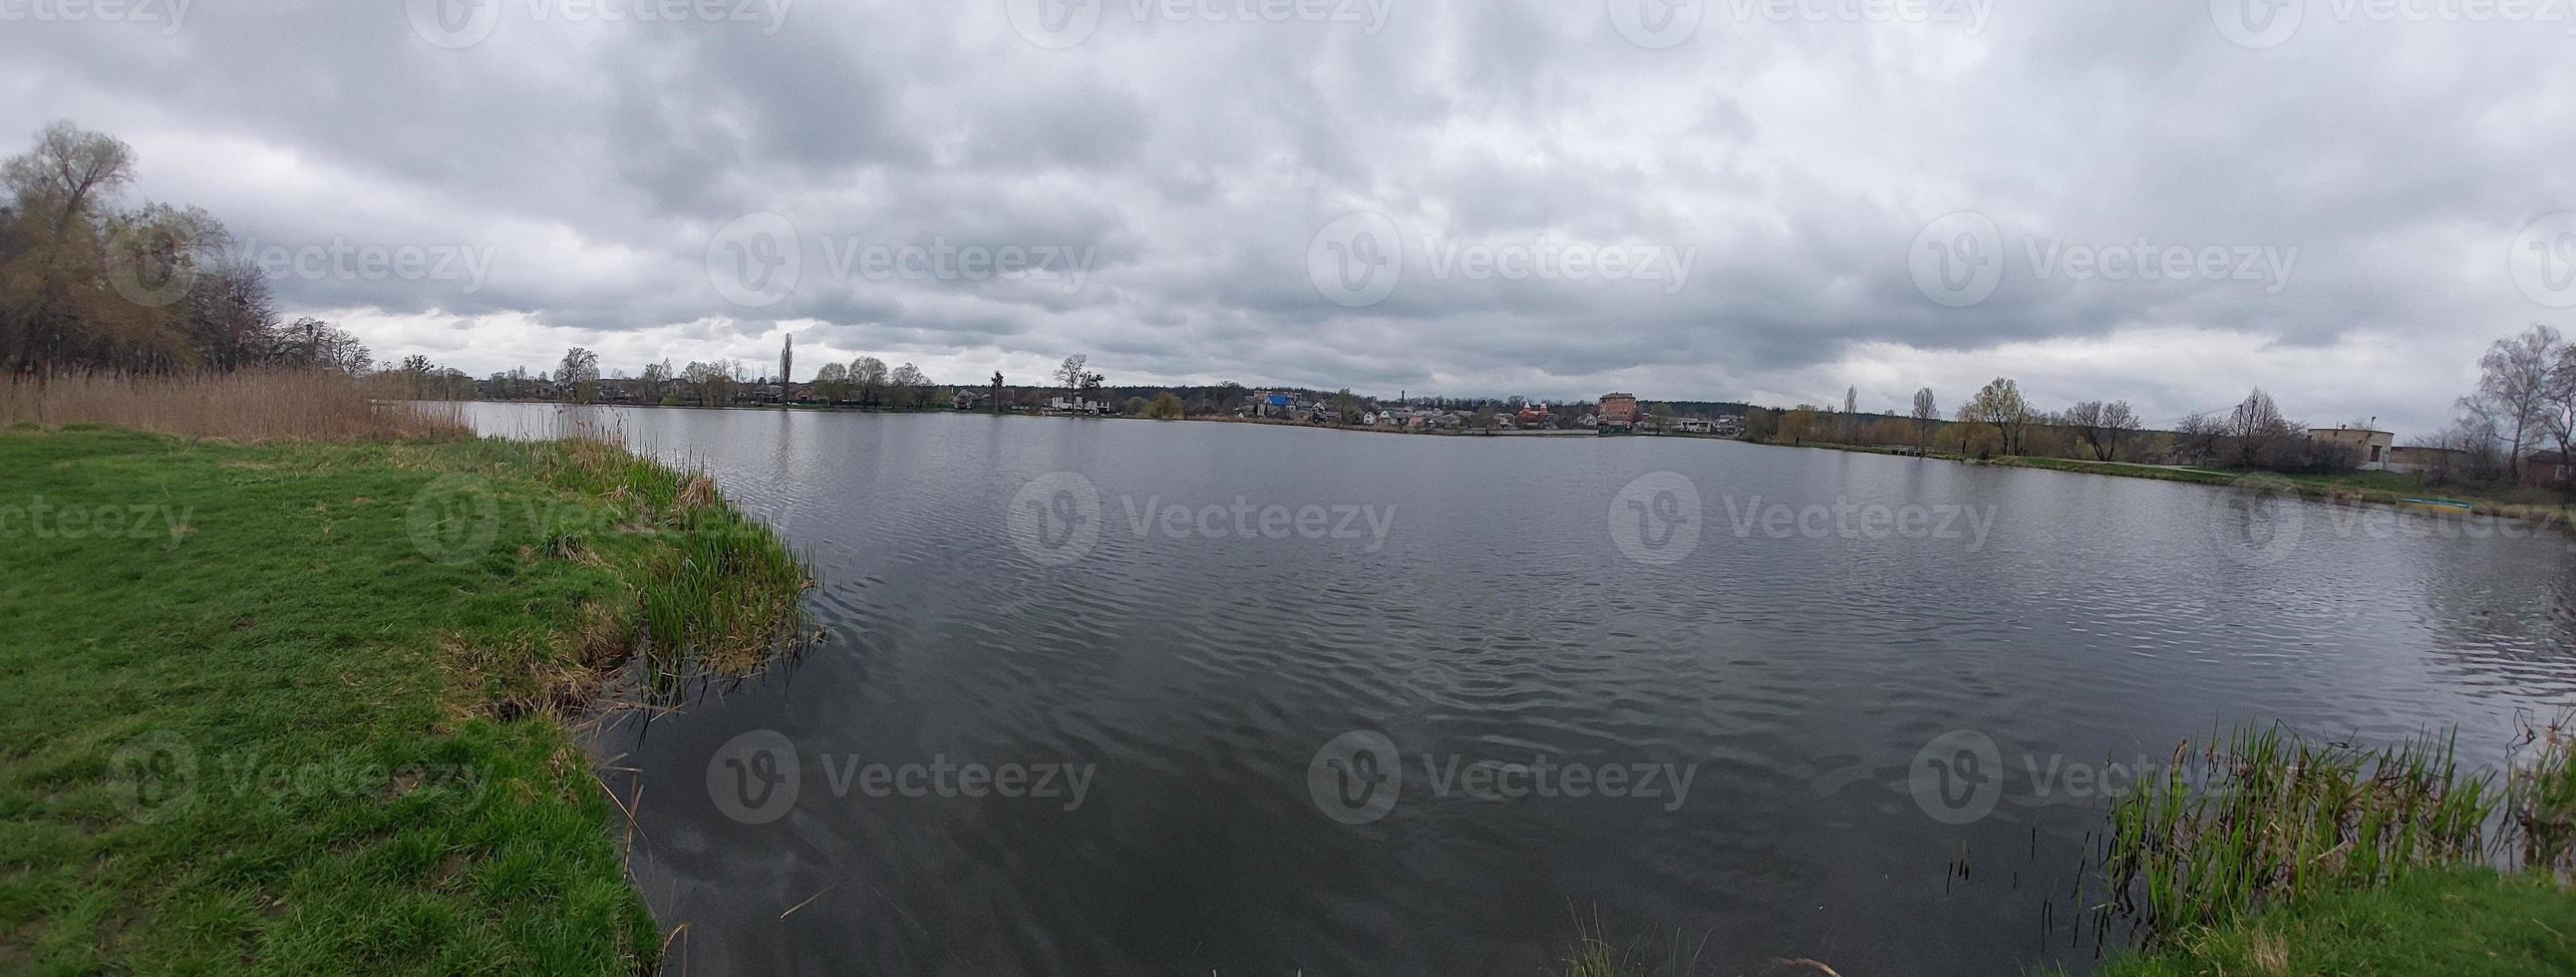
(247, 406)
(2264, 816)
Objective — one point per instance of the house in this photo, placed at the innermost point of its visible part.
(2368, 446)
(2548, 468)
(1695, 425)
(2417, 459)
(1075, 405)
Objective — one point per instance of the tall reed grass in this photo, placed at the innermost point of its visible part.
(247, 406)
(2264, 815)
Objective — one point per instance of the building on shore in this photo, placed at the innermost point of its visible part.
(1619, 410)
(2370, 447)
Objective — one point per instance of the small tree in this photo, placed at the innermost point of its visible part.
(580, 374)
(1926, 413)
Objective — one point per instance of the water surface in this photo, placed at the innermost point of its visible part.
(1501, 613)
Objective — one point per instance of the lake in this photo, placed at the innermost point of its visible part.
(1128, 697)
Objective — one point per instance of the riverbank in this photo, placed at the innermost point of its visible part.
(307, 706)
(2355, 488)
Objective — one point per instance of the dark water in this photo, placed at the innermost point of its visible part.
(1528, 601)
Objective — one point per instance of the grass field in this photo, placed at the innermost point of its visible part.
(301, 707)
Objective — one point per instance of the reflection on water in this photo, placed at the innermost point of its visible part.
(1152, 607)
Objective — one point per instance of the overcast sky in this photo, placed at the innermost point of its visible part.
(2339, 201)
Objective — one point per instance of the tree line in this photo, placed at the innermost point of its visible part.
(90, 284)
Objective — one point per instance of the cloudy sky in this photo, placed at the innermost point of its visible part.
(2341, 201)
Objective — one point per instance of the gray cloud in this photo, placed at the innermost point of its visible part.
(1192, 163)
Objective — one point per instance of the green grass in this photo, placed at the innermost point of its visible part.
(298, 712)
(2459, 921)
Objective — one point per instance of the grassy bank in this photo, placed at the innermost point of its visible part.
(2454, 921)
(303, 706)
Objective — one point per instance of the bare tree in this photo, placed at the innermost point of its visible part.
(2119, 423)
(2256, 429)
(2514, 385)
(1069, 374)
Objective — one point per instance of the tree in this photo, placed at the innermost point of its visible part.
(2257, 430)
(580, 372)
(2514, 383)
(996, 398)
(868, 375)
(1070, 375)
(1926, 412)
(907, 385)
(1850, 430)
(1166, 407)
(2119, 423)
(710, 383)
(656, 381)
(1999, 405)
(832, 382)
(786, 369)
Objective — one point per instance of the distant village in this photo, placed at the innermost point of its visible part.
(2513, 434)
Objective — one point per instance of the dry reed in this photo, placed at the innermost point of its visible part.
(248, 406)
